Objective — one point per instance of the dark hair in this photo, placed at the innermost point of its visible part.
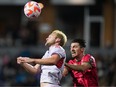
(80, 41)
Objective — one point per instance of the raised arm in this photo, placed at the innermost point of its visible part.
(28, 67)
(45, 61)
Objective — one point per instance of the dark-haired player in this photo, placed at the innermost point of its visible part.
(82, 66)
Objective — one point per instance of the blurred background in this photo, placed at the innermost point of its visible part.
(92, 20)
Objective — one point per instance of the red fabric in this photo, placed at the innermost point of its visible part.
(87, 78)
(60, 62)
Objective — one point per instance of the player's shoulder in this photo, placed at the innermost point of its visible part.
(88, 57)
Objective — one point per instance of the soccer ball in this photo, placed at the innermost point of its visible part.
(32, 9)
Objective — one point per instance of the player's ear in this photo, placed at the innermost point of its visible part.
(82, 49)
(58, 39)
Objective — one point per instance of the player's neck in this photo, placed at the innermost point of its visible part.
(56, 44)
(79, 57)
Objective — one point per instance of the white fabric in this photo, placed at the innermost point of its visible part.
(51, 73)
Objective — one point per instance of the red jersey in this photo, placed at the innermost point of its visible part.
(87, 78)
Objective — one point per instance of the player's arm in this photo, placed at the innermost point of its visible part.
(45, 61)
(29, 67)
(48, 61)
(84, 66)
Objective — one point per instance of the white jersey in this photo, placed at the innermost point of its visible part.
(53, 73)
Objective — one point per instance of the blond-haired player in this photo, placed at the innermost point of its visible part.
(52, 63)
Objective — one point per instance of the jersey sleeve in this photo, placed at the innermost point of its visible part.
(90, 59)
(59, 51)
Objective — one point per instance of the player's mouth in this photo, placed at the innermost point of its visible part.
(73, 52)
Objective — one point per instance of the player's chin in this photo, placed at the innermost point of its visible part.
(73, 55)
(47, 44)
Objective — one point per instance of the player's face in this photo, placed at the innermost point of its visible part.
(50, 40)
(76, 50)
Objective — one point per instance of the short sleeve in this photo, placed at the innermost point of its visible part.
(58, 50)
(90, 59)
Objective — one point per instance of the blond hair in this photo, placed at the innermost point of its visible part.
(62, 36)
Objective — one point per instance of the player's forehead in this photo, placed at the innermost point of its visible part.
(53, 34)
(75, 44)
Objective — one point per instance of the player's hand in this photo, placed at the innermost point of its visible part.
(19, 60)
(65, 64)
(26, 60)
